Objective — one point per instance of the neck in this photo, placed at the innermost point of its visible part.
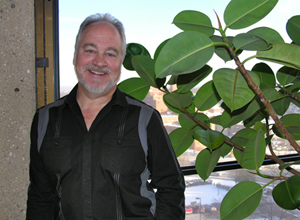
(91, 104)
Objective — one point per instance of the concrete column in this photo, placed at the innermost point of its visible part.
(17, 103)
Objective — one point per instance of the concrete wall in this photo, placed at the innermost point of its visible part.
(18, 103)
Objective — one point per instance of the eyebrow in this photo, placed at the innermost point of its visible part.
(94, 45)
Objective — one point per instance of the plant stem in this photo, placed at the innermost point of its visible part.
(266, 103)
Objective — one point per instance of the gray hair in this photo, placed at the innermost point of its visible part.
(95, 18)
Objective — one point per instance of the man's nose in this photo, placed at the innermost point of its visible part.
(99, 60)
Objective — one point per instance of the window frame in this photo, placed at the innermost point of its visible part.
(49, 89)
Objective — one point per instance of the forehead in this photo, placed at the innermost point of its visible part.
(101, 31)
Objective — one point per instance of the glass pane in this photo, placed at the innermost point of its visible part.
(203, 199)
(150, 23)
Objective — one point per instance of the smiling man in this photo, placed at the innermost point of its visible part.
(93, 152)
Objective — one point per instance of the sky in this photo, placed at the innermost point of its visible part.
(149, 22)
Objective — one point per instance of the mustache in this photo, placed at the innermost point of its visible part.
(97, 69)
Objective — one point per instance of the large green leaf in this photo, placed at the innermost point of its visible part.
(243, 136)
(254, 153)
(206, 162)
(265, 73)
(286, 75)
(188, 123)
(250, 42)
(185, 82)
(184, 53)
(282, 53)
(291, 123)
(241, 14)
(206, 97)
(233, 88)
(293, 29)
(281, 106)
(194, 21)
(181, 139)
(133, 49)
(144, 66)
(178, 100)
(268, 34)
(287, 194)
(211, 139)
(190, 108)
(241, 201)
(136, 87)
(158, 49)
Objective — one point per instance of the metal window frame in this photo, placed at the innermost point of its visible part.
(47, 51)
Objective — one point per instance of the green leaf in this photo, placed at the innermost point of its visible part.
(241, 201)
(190, 108)
(281, 106)
(291, 123)
(131, 50)
(194, 21)
(221, 50)
(178, 100)
(211, 139)
(268, 34)
(265, 73)
(241, 14)
(254, 153)
(135, 87)
(229, 119)
(181, 139)
(184, 53)
(286, 75)
(271, 95)
(158, 49)
(260, 126)
(250, 42)
(215, 120)
(233, 88)
(206, 97)
(243, 136)
(287, 194)
(206, 162)
(284, 54)
(285, 165)
(188, 123)
(186, 82)
(293, 29)
(257, 117)
(225, 149)
(144, 66)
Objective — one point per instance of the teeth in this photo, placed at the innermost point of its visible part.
(98, 73)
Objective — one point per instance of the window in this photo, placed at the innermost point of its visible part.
(149, 23)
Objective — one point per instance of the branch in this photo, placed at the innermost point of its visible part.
(266, 103)
(292, 95)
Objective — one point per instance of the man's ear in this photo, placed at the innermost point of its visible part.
(74, 58)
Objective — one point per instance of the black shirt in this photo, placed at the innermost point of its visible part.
(103, 172)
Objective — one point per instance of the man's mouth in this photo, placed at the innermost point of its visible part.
(97, 72)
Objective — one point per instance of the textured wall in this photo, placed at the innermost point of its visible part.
(17, 96)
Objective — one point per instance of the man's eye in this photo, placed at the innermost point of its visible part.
(90, 51)
(110, 55)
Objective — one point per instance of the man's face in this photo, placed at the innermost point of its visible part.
(99, 58)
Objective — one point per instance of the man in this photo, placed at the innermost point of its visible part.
(93, 151)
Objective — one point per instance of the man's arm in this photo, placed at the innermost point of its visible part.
(40, 202)
(166, 174)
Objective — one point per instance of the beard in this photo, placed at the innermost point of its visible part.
(95, 88)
